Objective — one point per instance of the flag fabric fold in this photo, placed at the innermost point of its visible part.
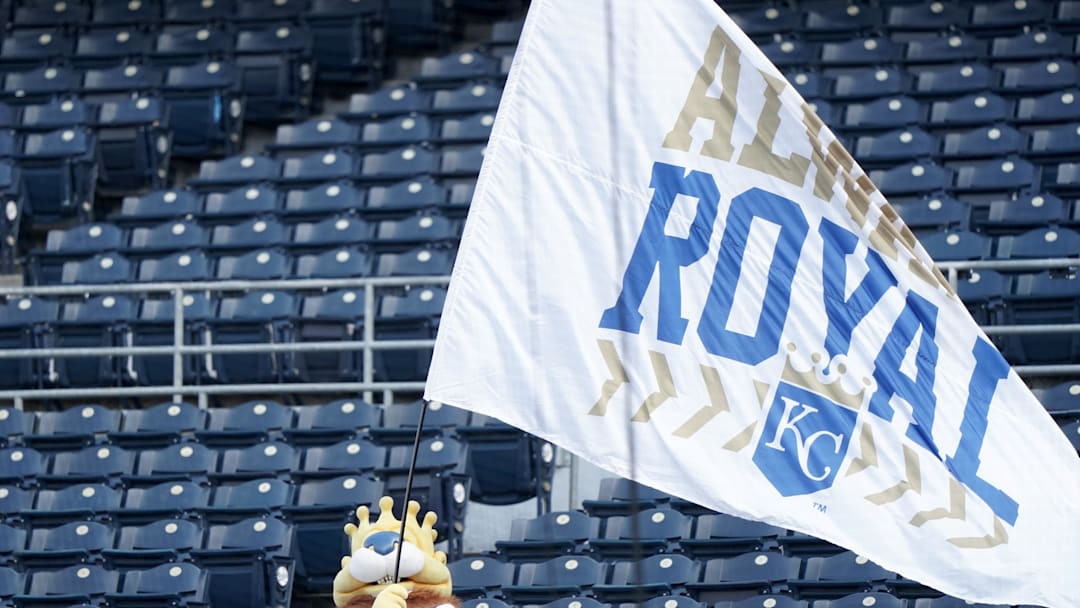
(668, 253)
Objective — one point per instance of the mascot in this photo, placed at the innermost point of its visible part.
(366, 576)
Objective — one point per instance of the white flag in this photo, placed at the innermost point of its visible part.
(668, 249)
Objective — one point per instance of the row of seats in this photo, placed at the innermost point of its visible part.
(840, 19)
(998, 176)
(181, 584)
(1042, 144)
(768, 600)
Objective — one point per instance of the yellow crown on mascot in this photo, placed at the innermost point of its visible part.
(366, 577)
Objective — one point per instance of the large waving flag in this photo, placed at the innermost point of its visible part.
(669, 253)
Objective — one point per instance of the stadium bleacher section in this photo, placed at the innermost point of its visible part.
(965, 114)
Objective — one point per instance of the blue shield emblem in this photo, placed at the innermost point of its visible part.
(804, 442)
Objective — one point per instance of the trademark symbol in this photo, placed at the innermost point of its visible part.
(820, 507)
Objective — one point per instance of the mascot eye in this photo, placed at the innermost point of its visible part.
(368, 566)
(412, 560)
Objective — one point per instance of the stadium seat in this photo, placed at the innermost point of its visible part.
(839, 575)
(946, 601)
(13, 202)
(412, 129)
(83, 583)
(440, 479)
(109, 267)
(664, 574)
(956, 79)
(319, 166)
(59, 172)
(197, 11)
(39, 84)
(22, 466)
(993, 140)
(1046, 75)
(255, 265)
(25, 48)
(134, 145)
(174, 235)
(1006, 174)
(575, 601)
(192, 265)
(812, 85)
(243, 202)
(480, 576)
(270, 459)
(92, 464)
(275, 71)
(1007, 14)
(1057, 106)
(314, 134)
(420, 261)
(96, 322)
(1030, 45)
(646, 532)
(257, 497)
(894, 146)
(338, 263)
(957, 245)
(1040, 243)
(487, 602)
(186, 461)
(59, 15)
(412, 316)
(509, 465)
(155, 327)
(158, 205)
(722, 535)
(348, 40)
(174, 584)
(120, 80)
(268, 10)
(336, 316)
(14, 424)
(205, 111)
(13, 501)
(185, 45)
(983, 292)
(788, 52)
(858, 600)
(547, 536)
(323, 199)
(839, 19)
(1062, 401)
(398, 164)
(457, 68)
(1056, 141)
(1072, 432)
(170, 499)
(766, 20)
(344, 229)
(12, 539)
(886, 113)
(54, 114)
(389, 101)
(236, 170)
(974, 109)
(869, 83)
(73, 243)
(421, 192)
(1042, 298)
(158, 542)
(25, 323)
(1029, 210)
(81, 501)
(73, 427)
(462, 161)
(259, 318)
(617, 496)
(479, 96)
(935, 212)
(65, 545)
(106, 12)
(331, 422)
(350, 456)
(107, 47)
(554, 578)
(251, 234)
(247, 424)
(948, 48)
(914, 177)
(229, 552)
(400, 421)
(475, 128)
(159, 425)
(734, 578)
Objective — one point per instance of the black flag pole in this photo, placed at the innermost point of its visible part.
(408, 490)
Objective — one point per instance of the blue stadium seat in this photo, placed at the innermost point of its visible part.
(838, 19)
(107, 12)
(236, 170)
(664, 574)
(72, 244)
(1029, 210)
(22, 466)
(119, 81)
(65, 545)
(646, 532)
(157, 542)
(178, 584)
(956, 79)
(155, 327)
(1008, 15)
(271, 459)
(1001, 174)
(268, 10)
(509, 465)
(487, 602)
(480, 96)
(946, 601)
(14, 205)
(1058, 106)
(251, 234)
(441, 481)
(873, 50)
(618, 496)
(335, 230)
(242, 202)
(23, 49)
(422, 192)
(186, 45)
(398, 164)
(947, 48)
(106, 47)
(1061, 141)
(133, 143)
(335, 421)
(733, 578)
(389, 101)
(554, 578)
(935, 212)
(191, 265)
(883, 113)
(547, 536)
(12, 539)
(1046, 242)
(320, 166)
(810, 84)
(323, 200)
(107, 267)
(14, 423)
(74, 427)
(480, 576)
(257, 497)
(508, 31)
(411, 129)
(721, 535)
(98, 321)
(335, 316)
(82, 501)
(457, 68)
(158, 205)
(421, 261)
(229, 552)
(869, 83)
(1030, 45)
(83, 583)
(471, 128)
(1072, 432)
(957, 245)
(462, 161)
(316, 133)
(247, 423)
(186, 461)
(260, 318)
(983, 293)
(1048, 75)
(973, 109)
(425, 229)
(39, 84)
(788, 52)
(1062, 400)
(92, 464)
(205, 110)
(764, 19)
(841, 574)
(413, 315)
(179, 499)
(338, 263)
(909, 178)
(59, 171)
(159, 425)
(1042, 298)
(255, 265)
(54, 114)
(60, 15)
(858, 600)
(346, 457)
(348, 40)
(894, 146)
(26, 323)
(925, 15)
(400, 421)
(275, 70)
(993, 140)
(197, 11)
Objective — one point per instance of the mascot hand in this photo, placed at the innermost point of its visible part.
(393, 596)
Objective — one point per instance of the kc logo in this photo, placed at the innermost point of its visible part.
(804, 440)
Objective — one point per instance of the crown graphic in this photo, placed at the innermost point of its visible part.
(422, 535)
(837, 384)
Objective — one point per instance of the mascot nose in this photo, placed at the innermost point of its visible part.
(382, 543)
